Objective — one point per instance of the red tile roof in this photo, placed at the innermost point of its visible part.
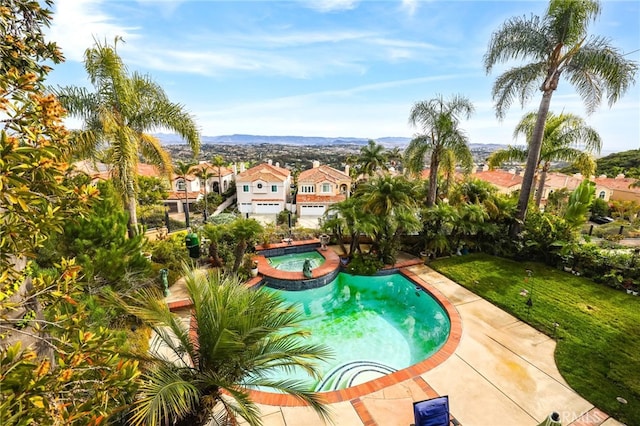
(179, 195)
(500, 178)
(620, 184)
(265, 172)
(321, 174)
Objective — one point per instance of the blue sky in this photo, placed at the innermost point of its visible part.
(333, 68)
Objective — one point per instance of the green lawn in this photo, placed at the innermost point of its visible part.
(598, 351)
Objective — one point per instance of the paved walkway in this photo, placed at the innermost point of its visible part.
(502, 373)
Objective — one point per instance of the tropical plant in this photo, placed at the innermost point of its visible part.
(438, 120)
(240, 336)
(204, 174)
(557, 45)
(218, 161)
(372, 158)
(245, 232)
(566, 137)
(183, 169)
(345, 219)
(390, 203)
(117, 116)
(579, 202)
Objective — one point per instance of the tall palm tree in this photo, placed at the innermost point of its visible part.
(183, 170)
(241, 336)
(556, 44)
(566, 137)
(117, 116)
(438, 120)
(218, 161)
(372, 158)
(204, 173)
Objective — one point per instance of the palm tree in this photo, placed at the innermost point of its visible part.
(561, 134)
(182, 170)
(245, 231)
(241, 336)
(218, 161)
(204, 174)
(391, 201)
(557, 45)
(394, 156)
(438, 120)
(347, 218)
(117, 116)
(372, 158)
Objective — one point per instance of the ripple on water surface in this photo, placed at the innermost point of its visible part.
(374, 326)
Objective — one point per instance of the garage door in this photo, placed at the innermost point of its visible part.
(306, 210)
(267, 208)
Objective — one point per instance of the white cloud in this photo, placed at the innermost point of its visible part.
(410, 6)
(77, 23)
(330, 5)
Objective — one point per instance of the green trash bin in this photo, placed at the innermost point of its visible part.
(192, 242)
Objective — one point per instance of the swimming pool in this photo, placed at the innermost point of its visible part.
(374, 325)
(295, 261)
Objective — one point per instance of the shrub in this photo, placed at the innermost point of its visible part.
(364, 264)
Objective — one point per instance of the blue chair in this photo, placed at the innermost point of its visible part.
(433, 412)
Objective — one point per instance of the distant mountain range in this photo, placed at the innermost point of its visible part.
(400, 142)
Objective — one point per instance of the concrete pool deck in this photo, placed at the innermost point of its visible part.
(501, 373)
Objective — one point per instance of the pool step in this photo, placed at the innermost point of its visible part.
(353, 373)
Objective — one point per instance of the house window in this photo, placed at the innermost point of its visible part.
(274, 188)
(326, 187)
(259, 186)
(601, 195)
(307, 189)
(245, 188)
(180, 185)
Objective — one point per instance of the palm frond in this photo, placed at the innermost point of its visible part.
(517, 83)
(163, 397)
(599, 67)
(518, 38)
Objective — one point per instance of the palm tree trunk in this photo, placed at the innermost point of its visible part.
(533, 155)
(133, 216)
(240, 248)
(214, 254)
(433, 179)
(542, 179)
(186, 204)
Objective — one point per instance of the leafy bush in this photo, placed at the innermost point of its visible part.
(364, 264)
(171, 253)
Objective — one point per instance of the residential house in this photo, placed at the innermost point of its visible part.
(224, 178)
(555, 181)
(177, 197)
(263, 189)
(617, 189)
(319, 188)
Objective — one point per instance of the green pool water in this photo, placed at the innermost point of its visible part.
(294, 262)
(374, 326)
